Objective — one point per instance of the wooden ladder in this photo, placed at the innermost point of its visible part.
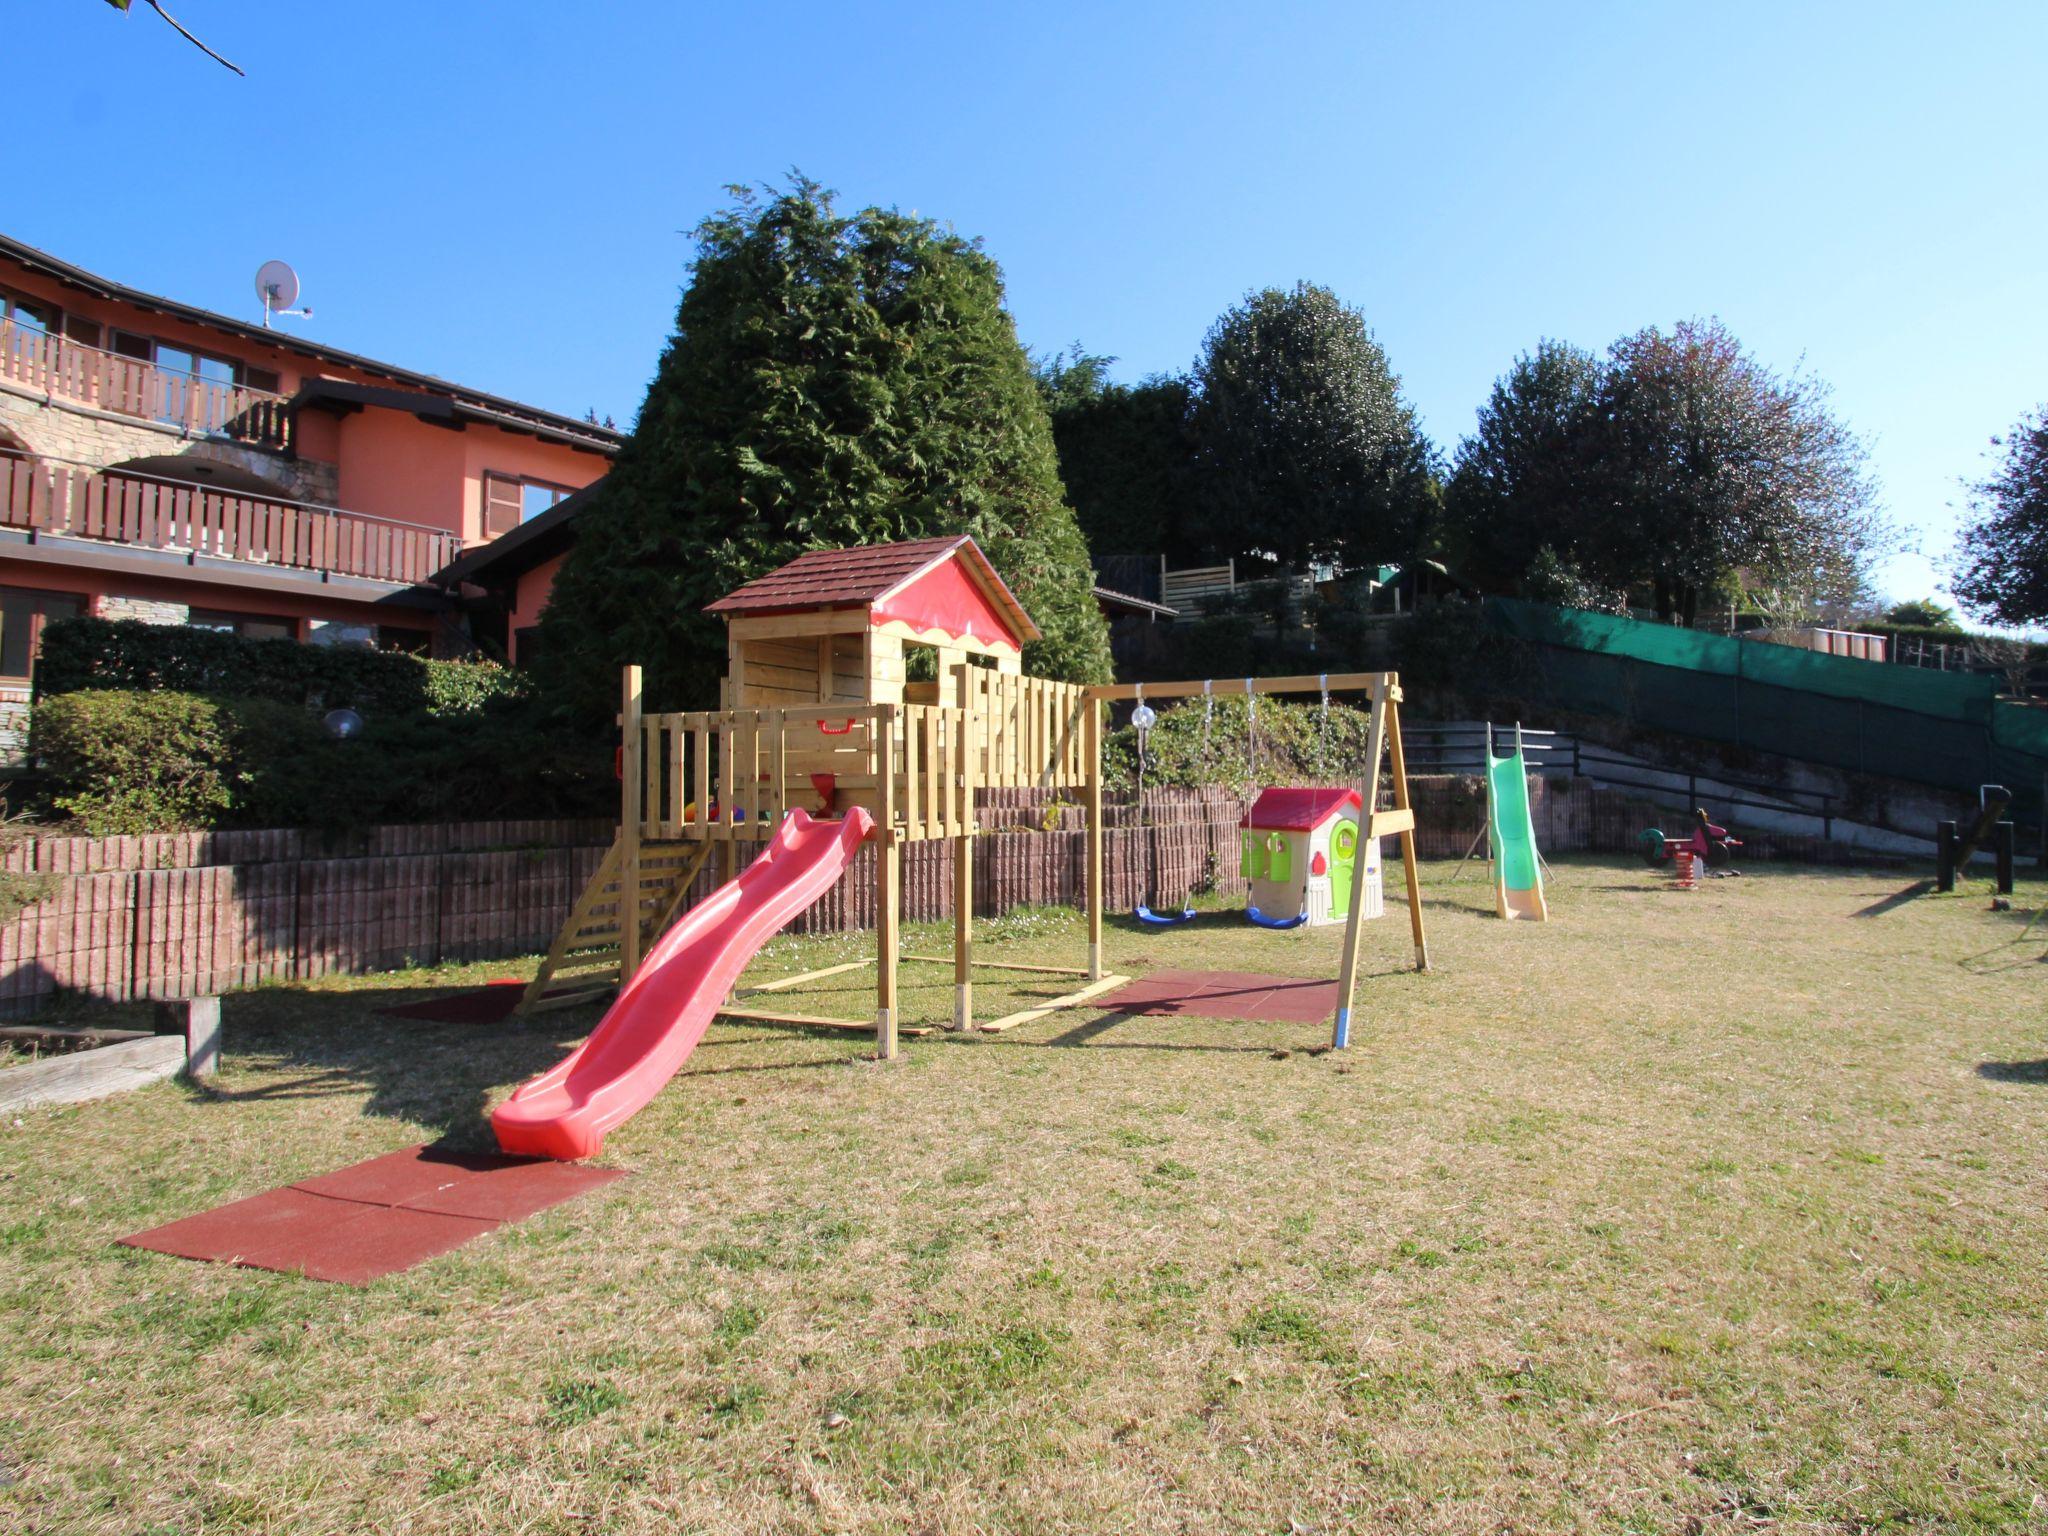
(583, 962)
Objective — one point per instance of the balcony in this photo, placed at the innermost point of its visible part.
(61, 369)
(145, 513)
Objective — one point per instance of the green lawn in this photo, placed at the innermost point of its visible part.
(1718, 1211)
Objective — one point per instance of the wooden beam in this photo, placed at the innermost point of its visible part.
(629, 826)
(1385, 823)
(1409, 868)
(888, 870)
(807, 1020)
(963, 930)
(1092, 797)
(1004, 965)
(1234, 687)
(1072, 1000)
(783, 983)
(1369, 793)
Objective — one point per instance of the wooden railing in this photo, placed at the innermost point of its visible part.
(150, 513)
(1032, 734)
(58, 367)
(732, 775)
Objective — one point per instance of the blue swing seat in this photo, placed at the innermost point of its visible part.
(1253, 914)
(1145, 914)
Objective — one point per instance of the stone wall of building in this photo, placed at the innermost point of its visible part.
(148, 610)
(80, 435)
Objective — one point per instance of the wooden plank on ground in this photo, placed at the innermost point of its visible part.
(1072, 1000)
(809, 1021)
(804, 976)
(83, 1075)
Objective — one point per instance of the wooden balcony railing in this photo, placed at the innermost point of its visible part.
(200, 407)
(149, 513)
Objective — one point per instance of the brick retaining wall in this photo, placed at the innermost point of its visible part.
(176, 915)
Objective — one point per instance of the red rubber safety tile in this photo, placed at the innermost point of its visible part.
(513, 1193)
(357, 1224)
(492, 1003)
(1226, 995)
(400, 1178)
(262, 1223)
(381, 1241)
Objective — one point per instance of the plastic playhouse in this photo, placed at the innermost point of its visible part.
(1297, 848)
(823, 747)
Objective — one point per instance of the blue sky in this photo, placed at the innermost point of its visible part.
(502, 192)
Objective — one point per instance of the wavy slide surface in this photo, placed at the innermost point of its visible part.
(1517, 875)
(657, 1020)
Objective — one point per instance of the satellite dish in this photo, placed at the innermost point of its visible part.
(277, 285)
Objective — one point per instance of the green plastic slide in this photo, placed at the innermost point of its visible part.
(1517, 873)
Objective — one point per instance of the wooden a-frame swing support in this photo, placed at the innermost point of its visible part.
(1383, 742)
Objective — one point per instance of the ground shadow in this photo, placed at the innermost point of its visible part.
(1896, 900)
(2014, 1071)
(330, 1044)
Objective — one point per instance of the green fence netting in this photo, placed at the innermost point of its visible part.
(1944, 729)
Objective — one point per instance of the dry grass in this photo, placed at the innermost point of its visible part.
(1709, 1212)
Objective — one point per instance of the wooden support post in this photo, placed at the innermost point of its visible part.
(1369, 798)
(963, 859)
(1398, 761)
(1092, 762)
(196, 1020)
(963, 931)
(888, 897)
(1945, 840)
(2003, 838)
(632, 781)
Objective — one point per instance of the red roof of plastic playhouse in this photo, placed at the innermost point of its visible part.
(1298, 810)
(945, 584)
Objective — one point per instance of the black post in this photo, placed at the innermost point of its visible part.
(2002, 840)
(1945, 856)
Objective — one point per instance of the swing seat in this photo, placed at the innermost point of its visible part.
(1145, 914)
(1253, 914)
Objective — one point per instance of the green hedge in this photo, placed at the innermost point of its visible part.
(120, 761)
(1295, 744)
(81, 654)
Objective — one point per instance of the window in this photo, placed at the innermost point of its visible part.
(23, 613)
(250, 626)
(536, 496)
(30, 314)
(414, 642)
(510, 500)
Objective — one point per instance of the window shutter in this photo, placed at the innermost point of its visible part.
(501, 504)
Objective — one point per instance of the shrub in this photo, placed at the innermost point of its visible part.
(1296, 744)
(120, 761)
(80, 654)
(127, 762)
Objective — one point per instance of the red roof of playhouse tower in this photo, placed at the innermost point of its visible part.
(1298, 810)
(942, 584)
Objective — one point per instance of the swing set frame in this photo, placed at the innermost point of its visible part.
(1383, 746)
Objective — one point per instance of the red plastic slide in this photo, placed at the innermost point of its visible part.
(657, 1020)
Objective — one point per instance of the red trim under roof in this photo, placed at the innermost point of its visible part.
(926, 583)
(1298, 810)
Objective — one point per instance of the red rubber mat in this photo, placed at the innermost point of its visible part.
(491, 1003)
(358, 1224)
(1226, 995)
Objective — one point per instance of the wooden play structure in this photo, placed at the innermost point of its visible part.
(889, 678)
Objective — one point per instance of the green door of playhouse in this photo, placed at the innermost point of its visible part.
(1343, 851)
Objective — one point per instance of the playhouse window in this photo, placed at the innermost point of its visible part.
(1280, 858)
(1251, 857)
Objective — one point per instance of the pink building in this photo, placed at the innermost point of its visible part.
(163, 462)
